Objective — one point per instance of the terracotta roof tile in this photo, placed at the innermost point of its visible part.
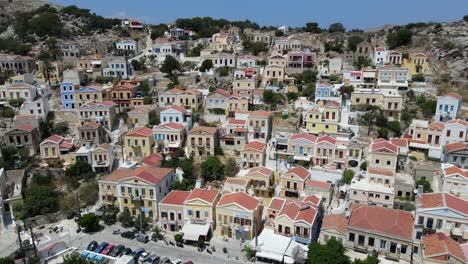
(382, 220)
(255, 146)
(153, 160)
(335, 221)
(260, 113)
(233, 121)
(379, 144)
(326, 139)
(150, 174)
(458, 121)
(438, 244)
(452, 95)
(171, 125)
(259, 170)
(306, 136)
(240, 198)
(140, 131)
(399, 142)
(27, 128)
(276, 204)
(175, 198)
(456, 146)
(379, 171)
(206, 129)
(455, 170)
(301, 172)
(208, 196)
(318, 184)
(236, 181)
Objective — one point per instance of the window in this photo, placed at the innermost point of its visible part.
(206, 213)
(439, 223)
(418, 235)
(387, 197)
(448, 133)
(370, 242)
(430, 223)
(403, 249)
(383, 244)
(389, 162)
(415, 250)
(377, 161)
(351, 237)
(189, 212)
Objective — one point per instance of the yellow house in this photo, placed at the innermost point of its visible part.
(301, 146)
(138, 143)
(324, 120)
(54, 73)
(87, 94)
(417, 63)
(292, 183)
(131, 189)
(366, 97)
(200, 212)
(239, 215)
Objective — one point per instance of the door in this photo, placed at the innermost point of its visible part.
(301, 150)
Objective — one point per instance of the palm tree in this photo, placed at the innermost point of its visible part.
(47, 69)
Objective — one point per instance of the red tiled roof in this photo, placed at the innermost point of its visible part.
(458, 121)
(260, 113)
(327, 139)
(233, 121)
(306, 136)
(175, 198)
(25, 117)
(255, 146)
(54, 138)
(206, 129)
(27, 128)
(171, 125)
(335, 221)
(236, 181)
(261, 170)
(153, 160)
(437, 126)
(380, 171)
(453, 95)
(399, 142)
(456, 146)
(222, 92)
(276, 203)
(333, 102)
(379, 144)
(301, 172)
(442, 200)
(319, 184)
(208, 196)
(382, 220)
(438, 244)
(105, 146)
(240, 198)
(297, 211)
(312, 199)
(455, 170)
(150, 174)
(92, 124)
(240, 129)
(176, 107)
(141, 131)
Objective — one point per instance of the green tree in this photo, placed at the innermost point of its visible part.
(249, 251)
(40, 200)
(61, 128)
(291, 96)
(395, 127)
(143, 223)
(223, 71)
(336, 27)
(157, 234)
(153, 119)
(195, 51)
(212, 169)
(418, 77)
(46, 24)
(254, 47)
(312, 27)
(367, 260)
(399, 38)
(7, 260)
(178, 238)
(206, 65)
(158, 31)
(336, 46)
(89, 222)
(382, 132)
(370, 118)
(230, 169)
(125, 218)
(332, 252)
(406, 118)
(171, 67)
(147, 100)
(465, 18)
(347, 176)
(362, 62)
(425, 184)
(81, 170)
(9, 157)
(354, 41)
(363, 166)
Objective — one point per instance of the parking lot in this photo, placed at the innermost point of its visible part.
(81, 240)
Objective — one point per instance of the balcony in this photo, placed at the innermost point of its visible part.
(303, 240)
(392, 256)
(291, 190)
(198, 220)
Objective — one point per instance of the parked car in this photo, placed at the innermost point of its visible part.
(137, 253)
(144, 256)
(142, 238)
(116, 232)
(127, 251)
(153, 260)
(101, 247)
(188, 262)
(108, 249)
(92, 246)
(165, 260)
(118, 250)
(128, 234)
(177, 261)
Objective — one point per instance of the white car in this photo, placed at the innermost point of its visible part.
(177, 261)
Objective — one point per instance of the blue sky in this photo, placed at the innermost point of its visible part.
(352, 13)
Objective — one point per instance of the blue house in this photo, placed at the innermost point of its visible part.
(326, 91)
(67, 95)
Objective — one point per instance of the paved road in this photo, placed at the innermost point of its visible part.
(81, 240)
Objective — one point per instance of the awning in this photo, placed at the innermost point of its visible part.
(192, 232)
(301, 157)
(269, 255)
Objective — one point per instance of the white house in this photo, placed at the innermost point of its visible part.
(447, 107)
(128, 45)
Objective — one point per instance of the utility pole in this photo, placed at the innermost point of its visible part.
(141, 215)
